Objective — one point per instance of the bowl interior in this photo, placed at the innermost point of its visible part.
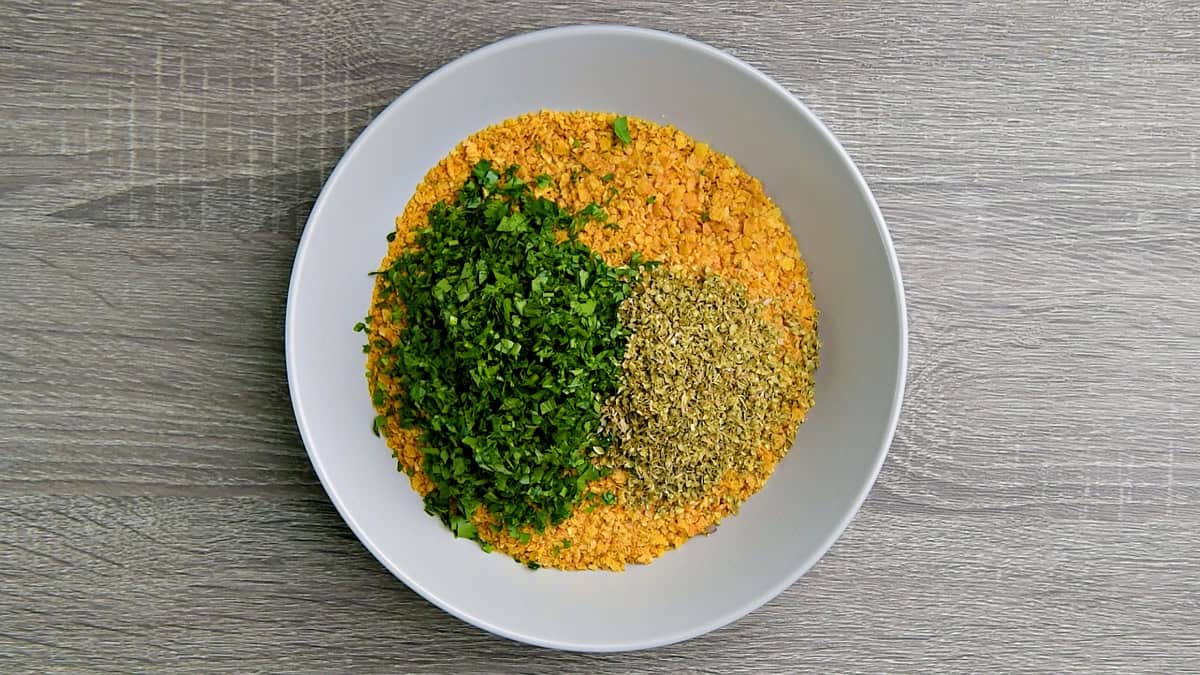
(782, 530)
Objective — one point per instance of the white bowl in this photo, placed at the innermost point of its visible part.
(781, 531)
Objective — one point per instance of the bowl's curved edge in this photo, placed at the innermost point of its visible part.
(877, 216)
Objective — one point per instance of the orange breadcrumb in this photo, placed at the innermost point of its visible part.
(674, 200)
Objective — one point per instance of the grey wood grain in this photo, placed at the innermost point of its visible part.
(1039, 165)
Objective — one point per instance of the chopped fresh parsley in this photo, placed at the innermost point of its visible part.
(590, 212)
(621, 129)
(511, 343)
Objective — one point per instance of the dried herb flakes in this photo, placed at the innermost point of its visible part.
(702, 386)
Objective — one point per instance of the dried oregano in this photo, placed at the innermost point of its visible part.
(703, 386)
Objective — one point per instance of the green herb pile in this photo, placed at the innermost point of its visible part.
(511, 344)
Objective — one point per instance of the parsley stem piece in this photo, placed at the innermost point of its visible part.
(621, 129)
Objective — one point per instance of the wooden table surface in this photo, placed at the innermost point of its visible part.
(1038, 164)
